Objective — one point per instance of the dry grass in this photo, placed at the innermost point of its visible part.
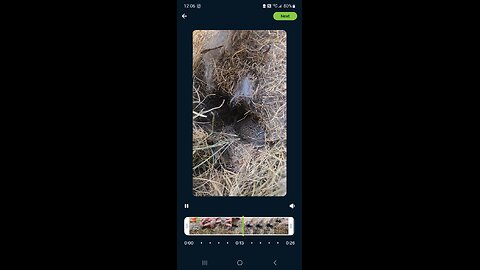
(224, 164)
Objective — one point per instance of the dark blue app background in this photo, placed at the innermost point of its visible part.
(287, 254)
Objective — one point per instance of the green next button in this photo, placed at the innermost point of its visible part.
(285, 16)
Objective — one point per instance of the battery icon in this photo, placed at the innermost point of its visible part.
(264, 6)
(293, 6)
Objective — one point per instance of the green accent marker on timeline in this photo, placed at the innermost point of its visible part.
(243, 225)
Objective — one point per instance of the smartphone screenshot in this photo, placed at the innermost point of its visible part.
(239, 130)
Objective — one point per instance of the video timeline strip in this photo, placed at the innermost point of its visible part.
(239, 226)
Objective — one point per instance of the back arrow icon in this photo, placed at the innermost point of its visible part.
(275, 262)
(184, 15)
